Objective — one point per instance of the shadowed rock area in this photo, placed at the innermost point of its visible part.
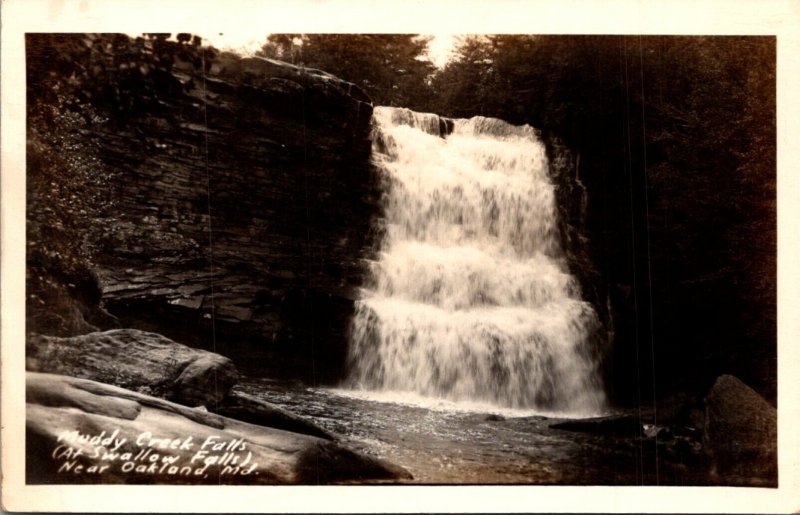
(83, 431)
(730, 436)
(255, 411)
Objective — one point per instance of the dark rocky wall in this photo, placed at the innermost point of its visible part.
(240, 212)
(672, 329)
(573, 201)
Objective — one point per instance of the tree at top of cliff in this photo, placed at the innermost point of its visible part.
(469, 84)
(391, 68)
(114, 73)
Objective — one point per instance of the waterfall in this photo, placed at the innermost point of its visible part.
(470, 298)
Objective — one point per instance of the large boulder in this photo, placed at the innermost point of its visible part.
(740, 435)
(141, 361)
(82, 431)
(203, 380)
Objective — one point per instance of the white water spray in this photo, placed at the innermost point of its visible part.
(470, 298)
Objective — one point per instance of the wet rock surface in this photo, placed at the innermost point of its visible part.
(440, 443)
(201, 381)
(81, 431)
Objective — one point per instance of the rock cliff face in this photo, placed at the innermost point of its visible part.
(241, 211)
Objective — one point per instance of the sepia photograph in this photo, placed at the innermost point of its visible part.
(397, 259)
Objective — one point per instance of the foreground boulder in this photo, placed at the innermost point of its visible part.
(140, 361)
(740, 434)
(81, 431)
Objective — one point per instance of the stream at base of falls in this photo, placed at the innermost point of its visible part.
(441, 442)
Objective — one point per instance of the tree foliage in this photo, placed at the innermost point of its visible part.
(391, 68)
(113, 72)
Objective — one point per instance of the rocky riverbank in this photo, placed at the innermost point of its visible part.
(81, 430)
(130, 383)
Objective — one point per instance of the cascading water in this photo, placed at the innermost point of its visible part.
(470, 298)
